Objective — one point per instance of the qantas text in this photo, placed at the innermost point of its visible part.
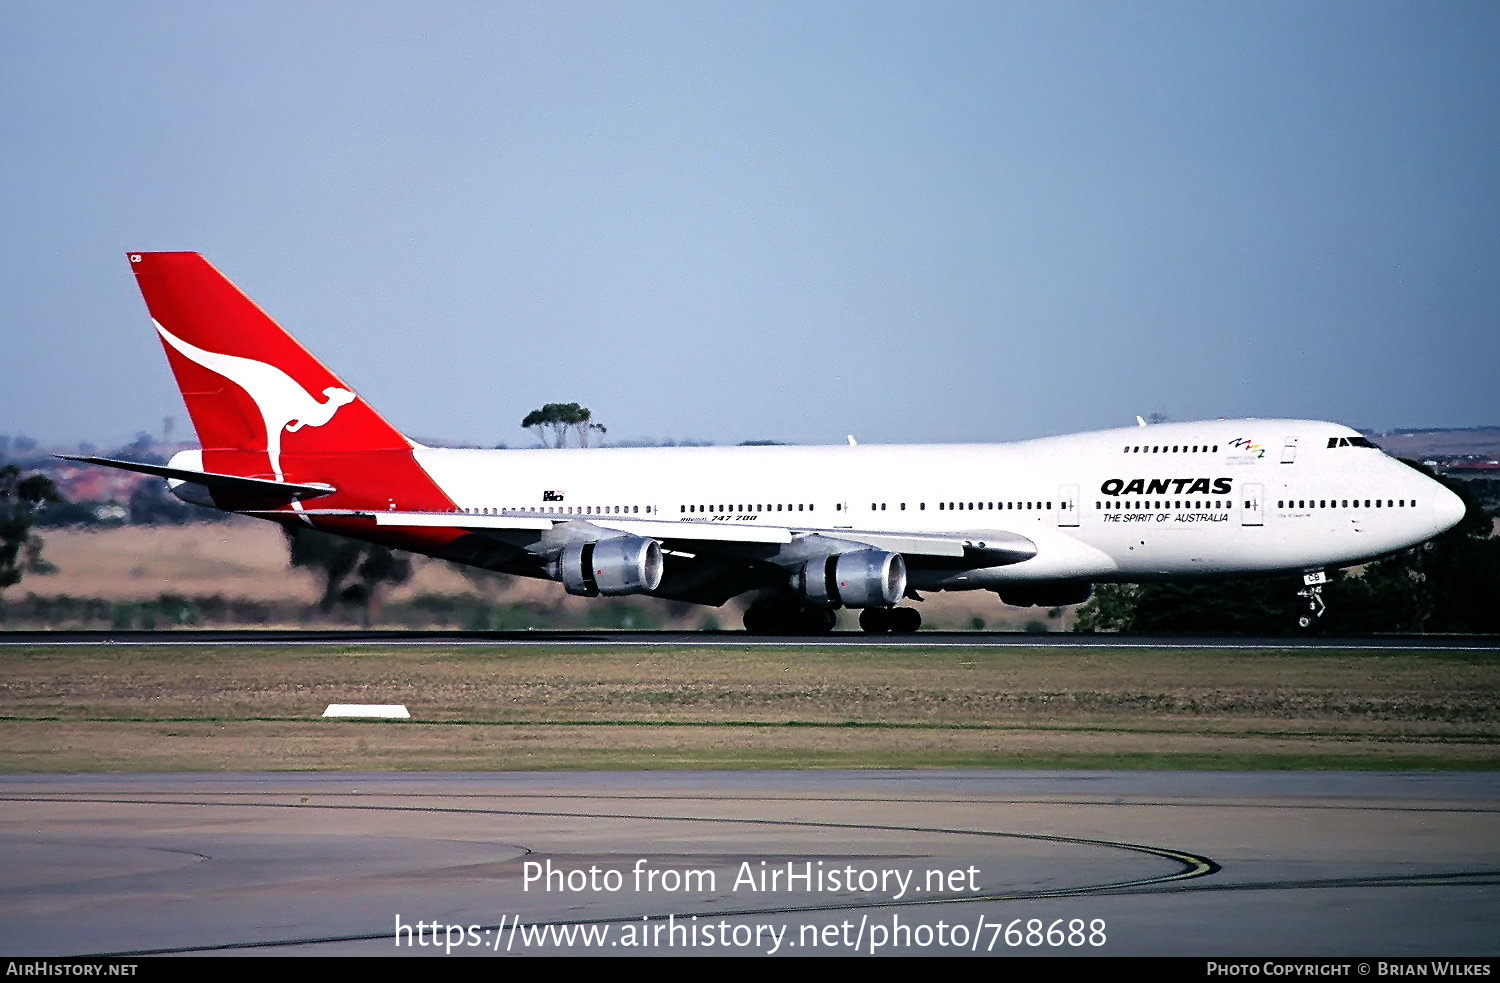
(1167, 486)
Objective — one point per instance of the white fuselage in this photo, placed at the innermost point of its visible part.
(1174, 500)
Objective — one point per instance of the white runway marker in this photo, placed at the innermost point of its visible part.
(394, 711)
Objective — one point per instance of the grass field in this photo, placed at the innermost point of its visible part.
(257, 708)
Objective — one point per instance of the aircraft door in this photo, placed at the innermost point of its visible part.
(1252, 505)
(1067, 505)
(1289, 450)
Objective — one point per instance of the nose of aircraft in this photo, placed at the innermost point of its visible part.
(1448, 509)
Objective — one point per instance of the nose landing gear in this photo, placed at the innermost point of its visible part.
(1312, 593)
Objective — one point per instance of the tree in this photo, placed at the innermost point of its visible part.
(352, 571)
(554, 421)
(1112, 608)
(21, 498)
(1262, 606)
(151, 504)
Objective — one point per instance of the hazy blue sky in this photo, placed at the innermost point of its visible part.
(728, 221)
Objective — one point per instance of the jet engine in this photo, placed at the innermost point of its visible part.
(618, 565)
(858, 579)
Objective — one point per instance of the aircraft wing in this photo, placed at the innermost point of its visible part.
(538, 531)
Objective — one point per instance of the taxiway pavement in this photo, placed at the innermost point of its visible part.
(752, 863)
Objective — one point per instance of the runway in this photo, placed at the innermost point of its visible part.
(752, 863)
(739, 639)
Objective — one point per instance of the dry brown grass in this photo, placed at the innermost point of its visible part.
(241, 558)
(237, 708)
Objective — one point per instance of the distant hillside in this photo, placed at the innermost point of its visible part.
(1448, 442)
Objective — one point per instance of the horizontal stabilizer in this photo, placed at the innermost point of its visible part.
(209, 479)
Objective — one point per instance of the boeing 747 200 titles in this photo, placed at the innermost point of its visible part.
(807, 530)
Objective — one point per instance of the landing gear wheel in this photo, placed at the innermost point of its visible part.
(817, 621)
(905, 621)
(896, 621)
(760, 619)
(787, 616)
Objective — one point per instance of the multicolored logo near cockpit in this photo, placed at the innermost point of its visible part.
(1248, 446)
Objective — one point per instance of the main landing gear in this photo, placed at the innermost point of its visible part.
(1312, 594)
(787, 616)
(791, 616)
(896, 621)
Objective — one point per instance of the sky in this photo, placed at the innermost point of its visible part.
(906, 221)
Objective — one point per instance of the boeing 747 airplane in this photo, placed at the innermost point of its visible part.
(807, 530)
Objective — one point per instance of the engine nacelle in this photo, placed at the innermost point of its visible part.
(614, 566)
(858, 579)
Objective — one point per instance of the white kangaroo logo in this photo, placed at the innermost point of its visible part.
(283, 404)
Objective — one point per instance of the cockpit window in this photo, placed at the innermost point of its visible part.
(1349, 442)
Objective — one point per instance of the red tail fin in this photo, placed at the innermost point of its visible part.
(263, 406)
(249, 386)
